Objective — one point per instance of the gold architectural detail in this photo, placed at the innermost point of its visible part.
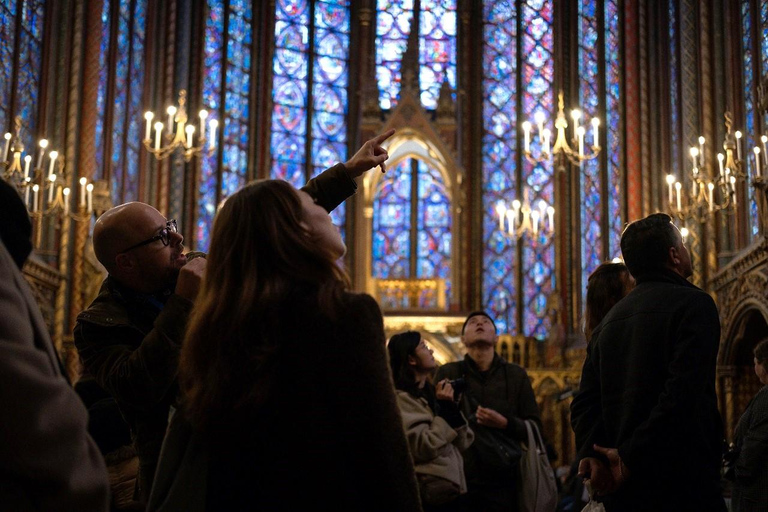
(415, 294)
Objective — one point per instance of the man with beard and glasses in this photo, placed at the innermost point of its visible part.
(129, 338)
(498, 397)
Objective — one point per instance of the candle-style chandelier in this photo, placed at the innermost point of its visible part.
(706, 195)
(521, 219)
(45, 192)
(562, 151)
(179, 134)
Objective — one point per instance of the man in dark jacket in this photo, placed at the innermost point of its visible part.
(130, 337)
(499, 397)
(648, 385)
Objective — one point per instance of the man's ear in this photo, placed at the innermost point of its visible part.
(125, 263)
(674, 256)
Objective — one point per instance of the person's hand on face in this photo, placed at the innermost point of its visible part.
(190, 278)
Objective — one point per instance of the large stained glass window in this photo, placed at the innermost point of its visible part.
(749, 62)
(226, 90)
(21, 33)
(499, 160)
(412, 224)
(517, 280)
(437, 47)
(120, 97)
(309, 90)
(597, 209)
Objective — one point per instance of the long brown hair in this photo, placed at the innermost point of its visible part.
(606, 286)
(260, 252)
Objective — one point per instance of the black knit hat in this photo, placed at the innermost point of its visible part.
(478, 313)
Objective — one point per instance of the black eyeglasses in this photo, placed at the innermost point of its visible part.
(164, 236)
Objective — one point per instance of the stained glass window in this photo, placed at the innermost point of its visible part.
(592, 253)
(517, 282)
(500, 288)
(613, 65)
(437, 47)
(309, 131)
(749, 89)
(538, 263)
(674, 91)
(24, 78)
(122, 80)
(412, 224)
(227, 57)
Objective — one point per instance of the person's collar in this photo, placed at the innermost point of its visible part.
(496, 361)
(664, 275)
(128, 295)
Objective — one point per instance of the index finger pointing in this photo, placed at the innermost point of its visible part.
(384, 136)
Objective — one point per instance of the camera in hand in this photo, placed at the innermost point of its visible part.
(459, 386)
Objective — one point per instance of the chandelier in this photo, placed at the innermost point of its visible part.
(562, 151)
(705, 196)
(521, 218)
(179, 134)
(45, 188)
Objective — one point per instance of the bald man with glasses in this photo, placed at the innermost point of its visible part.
(130, 337)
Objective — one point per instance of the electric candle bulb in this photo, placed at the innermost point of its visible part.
(595, 136)
(551, 216)
(738, 144)
(501, 210)
(203, 116)
(89, 188)
(190, 131)
(54, 155)
(7, 145)
(171, 112)
(43, 144)
(213, 125)
(158, 132)
(527, 134)
(148, 132)
(670, 183)
(66, 199)
(27, 160)
(83, 181)
(539, 118)
(757, 161)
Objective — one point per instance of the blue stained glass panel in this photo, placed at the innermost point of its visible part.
(437, 49)
(590, 175)
(213, 57)
(8, 40)
(613, 66)
(433, 248)
(392, 223)
(748, 64)
(289, 91)
(393, 24)
(500, 63)
(30, 64)
(538, 262)
(102, 91)
(674, 90)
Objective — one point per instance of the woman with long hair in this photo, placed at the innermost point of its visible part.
(284, 373)
(437, 432)
(606, 285)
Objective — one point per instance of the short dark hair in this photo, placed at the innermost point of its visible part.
(478, 313)
(761, 351)
(645, 243)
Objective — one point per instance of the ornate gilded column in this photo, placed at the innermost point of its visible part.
(88, 38)
(727, 374)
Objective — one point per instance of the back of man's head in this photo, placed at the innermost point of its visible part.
(645, 243)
